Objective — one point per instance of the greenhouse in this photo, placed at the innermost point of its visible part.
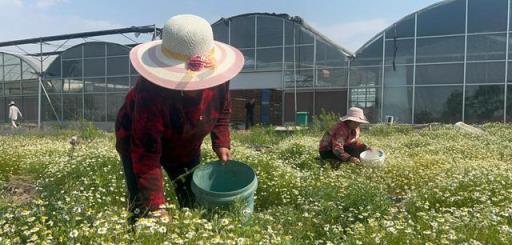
(446, 63)
(289, 66)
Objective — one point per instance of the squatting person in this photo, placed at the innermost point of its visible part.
(181, 96)
(341, 142)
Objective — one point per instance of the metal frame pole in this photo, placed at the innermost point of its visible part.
(39, 84)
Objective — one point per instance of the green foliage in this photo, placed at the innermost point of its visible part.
(324, 120)
(439, 186)
(88, 131)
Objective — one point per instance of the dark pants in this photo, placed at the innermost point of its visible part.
(181, 186)
(249, 120)
(352, 150)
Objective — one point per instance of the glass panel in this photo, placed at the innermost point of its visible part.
(73, 53)
(365, 76)
(269, 58)
(510, 45)
(327, 56)
(270, 31)
(12, 72)
(304, 78)
(440, 49)
(118, 84)
(28, 71)
(3, 109)
(114, 103)
(445, 19)
(399, 76)
(12, 88)
(509, 103)
(249, 59)
(303, 36)
(487, 47)
(288, 32)
(53, 86)
(332, 77)
(440, 74)
(509, 77)
(438, 104)
(400, 52)
(72, 68)
(1, 73)
(404, 28)
(221, 32)
(94, 49)
(304, 56)
(94, 107)
(370, 55)
(28, 107)
(288, 57)
(488, 72)
(94, 67)
(242, 32)
(73, 86)
(1, 61)
(1, 88)
(324, 102)
(369, 100)
(118, 66)
(11, 60)
(398, 103)
(29, 87)
(115, 50)
(73, 107)
(484, 103)
(487, 15)
(94, 85)
(54, 69)
(46, 109)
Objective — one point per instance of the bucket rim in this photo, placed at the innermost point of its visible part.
(253, 182)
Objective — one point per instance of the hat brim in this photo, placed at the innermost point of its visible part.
(167, 72)
(355, 119)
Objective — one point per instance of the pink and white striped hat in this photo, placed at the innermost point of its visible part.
(187, 57)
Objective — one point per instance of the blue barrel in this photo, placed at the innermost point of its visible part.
(216, 185)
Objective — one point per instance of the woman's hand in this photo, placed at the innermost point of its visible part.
(355, 160)
(224, 154)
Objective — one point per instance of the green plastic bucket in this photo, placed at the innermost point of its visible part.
(215, 185)
(301, 118)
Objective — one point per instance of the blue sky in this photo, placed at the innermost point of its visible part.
(350, 23)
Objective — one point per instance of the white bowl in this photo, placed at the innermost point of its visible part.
(373, 157)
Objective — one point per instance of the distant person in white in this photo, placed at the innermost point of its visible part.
(13, 114)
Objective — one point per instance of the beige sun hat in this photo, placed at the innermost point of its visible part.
(187, 57)
(355, 114)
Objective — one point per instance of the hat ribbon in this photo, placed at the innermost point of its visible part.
(194, 63)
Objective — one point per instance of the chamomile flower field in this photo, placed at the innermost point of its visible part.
(439, 186)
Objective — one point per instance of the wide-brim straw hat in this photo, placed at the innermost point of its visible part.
(355, 114)
(187, 57)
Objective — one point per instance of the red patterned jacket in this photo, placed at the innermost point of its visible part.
(338, 137)
(157, 124)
